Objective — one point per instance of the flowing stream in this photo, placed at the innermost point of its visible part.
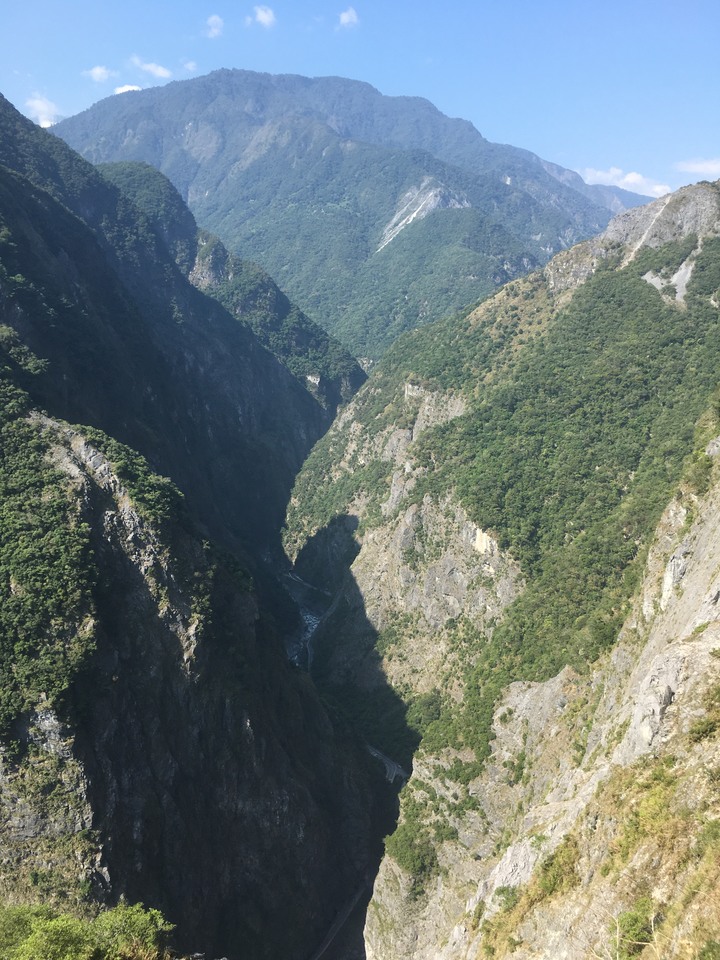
(312, 604)
(344, 939)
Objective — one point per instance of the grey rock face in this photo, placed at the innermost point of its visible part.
(427, 562)
(612, 770)
(694, 209)
(578, 736)
(691, 210)
(189, 740)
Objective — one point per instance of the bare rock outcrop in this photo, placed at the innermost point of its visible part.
(613, 784)
(417, 202)
(108, 788)
(690, 210)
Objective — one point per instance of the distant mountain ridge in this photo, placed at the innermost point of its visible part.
(308, 176)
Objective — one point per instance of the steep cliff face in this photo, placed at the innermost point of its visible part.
(156, 743)
(595, 820)
(318, 361)
(672, 219)
(133, 348)
(558, 678)
(183, 762)
(421, 569)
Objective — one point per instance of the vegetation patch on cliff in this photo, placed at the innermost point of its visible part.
(574, 440)
(46, 572)
(556, 874)
(126, 932)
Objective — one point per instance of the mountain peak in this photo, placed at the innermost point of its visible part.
(691, 209)
(309, 177)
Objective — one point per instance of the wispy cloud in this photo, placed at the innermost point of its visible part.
(43, 111)
(262, 15)
(705, 168)
(162, 73)
(214, 26)
(127, 87)
(99, 74)
(615, 177)
(190, 65)
(349, 18)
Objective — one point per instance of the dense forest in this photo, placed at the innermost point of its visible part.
(375, 214)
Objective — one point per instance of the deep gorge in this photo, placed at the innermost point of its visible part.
(244, 585)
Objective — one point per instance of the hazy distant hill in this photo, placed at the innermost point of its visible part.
(375, 213)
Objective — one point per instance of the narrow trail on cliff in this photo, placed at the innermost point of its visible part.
(341, 920)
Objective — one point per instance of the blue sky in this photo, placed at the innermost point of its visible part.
(624, 92)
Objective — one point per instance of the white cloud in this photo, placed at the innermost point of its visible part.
(99, 74)
(190, 66)
(162, 73)
(709, 168)
(349, 18)
(126, 88)
(615, 177)
(43, 111)
(214, 26)
(264, 16)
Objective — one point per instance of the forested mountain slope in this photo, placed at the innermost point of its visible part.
(375, 213)
(496, 487)
(185, 374)
(324, 368)
(154, 741)
(513, 526)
